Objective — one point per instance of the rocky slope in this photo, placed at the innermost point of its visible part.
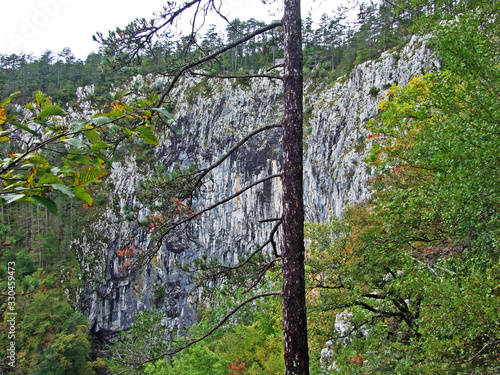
(210, 118)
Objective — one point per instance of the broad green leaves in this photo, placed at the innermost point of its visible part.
(51, 110)
(28, 174)
(50, 154)
(147, 134)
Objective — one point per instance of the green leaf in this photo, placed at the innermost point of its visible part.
(48, 203)
(128, 108)
(82, 194)
(25, 128)
(164, 112)
(7, 101)
(121, 94)
(100, 145)
(127, 131)
(40, 98)
(49, 178)
(7, 163)
(5, 133)
(89, 175)
(64, 189)
(147, 134)
(51, 110)
(77, 125)
(37, 159)
(92, 136)
(9, 198)
(101, 120)
(75, 142)
(153, 97)
(101, 162)
(82, 159)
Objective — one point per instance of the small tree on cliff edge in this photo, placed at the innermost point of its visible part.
(127, 45)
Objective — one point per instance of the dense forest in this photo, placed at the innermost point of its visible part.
(417, 264)
(331, 49)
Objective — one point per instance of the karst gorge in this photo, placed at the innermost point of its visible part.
(143, 205)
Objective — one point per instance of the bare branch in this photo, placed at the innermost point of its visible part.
(217, 326)
(225, 270)
(319, 285)
(261, 275)
(431, 268)
(197, 177)
(233, 149)
(374, 310)
(213, 55)
(237, 76)
(197, 180)
(480, 351)
(375, 296)
(426, 265)
(270, 240)
(270, 220)
(142, 258)
(227, 199)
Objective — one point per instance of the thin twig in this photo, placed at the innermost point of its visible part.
(217, 326)
(227, 199)
(237, 76)
(213, 55)
(261, 275)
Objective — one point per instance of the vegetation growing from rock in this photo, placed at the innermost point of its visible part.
(416, 264)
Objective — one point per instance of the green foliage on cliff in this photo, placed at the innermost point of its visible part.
(253, 345)
(417, 263)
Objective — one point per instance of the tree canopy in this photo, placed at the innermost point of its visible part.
(417, 263)
(412, 272)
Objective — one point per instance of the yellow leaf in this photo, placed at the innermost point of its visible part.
(3, 115)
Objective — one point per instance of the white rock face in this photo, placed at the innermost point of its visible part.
(210, 119)
(335, 173)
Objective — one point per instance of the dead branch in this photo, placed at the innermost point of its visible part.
(237, 76)
(217, 326)
(261, 275)
(213, 55)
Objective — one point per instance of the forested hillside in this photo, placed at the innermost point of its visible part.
(332, 47)
(406, 281)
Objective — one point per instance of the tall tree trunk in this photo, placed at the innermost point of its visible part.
(294, 301)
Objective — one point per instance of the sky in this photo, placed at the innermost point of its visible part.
(34, 26)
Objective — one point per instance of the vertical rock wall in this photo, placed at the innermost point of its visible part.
(210, 118)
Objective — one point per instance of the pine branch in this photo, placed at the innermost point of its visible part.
(207, 170)
(210, 208)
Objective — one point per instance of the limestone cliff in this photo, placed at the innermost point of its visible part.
(210, 118)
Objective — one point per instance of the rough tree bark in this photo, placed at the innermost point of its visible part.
(294, 302)
(296, 353)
